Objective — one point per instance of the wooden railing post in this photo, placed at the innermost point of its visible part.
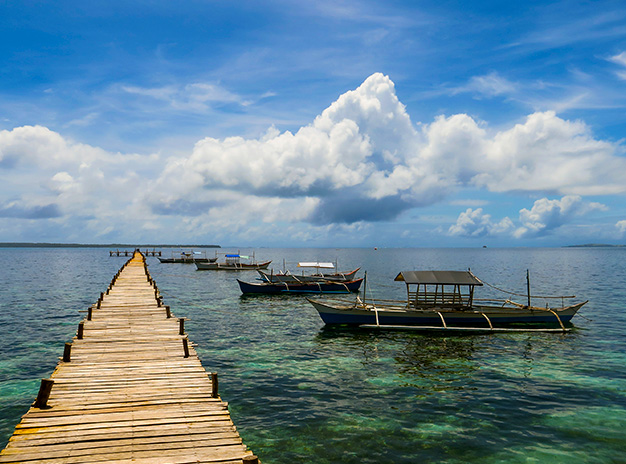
(214, 385)
(44, 393)
(67, 352)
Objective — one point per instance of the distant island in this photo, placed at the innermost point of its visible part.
(595, 245)
(87, 245)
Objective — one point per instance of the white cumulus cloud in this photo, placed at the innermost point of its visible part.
(475, 223)
(543, 218)
(361, 160)
(547, 215)
(365, 160)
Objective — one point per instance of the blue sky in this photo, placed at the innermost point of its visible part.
(328, 123)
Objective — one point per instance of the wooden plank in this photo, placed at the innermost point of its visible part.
(128, 393)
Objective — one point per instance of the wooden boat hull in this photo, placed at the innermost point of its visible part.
(479, 316)
(309, 287)
(231, 267)
(294, 278)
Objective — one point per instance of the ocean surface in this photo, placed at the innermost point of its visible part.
(300, 392)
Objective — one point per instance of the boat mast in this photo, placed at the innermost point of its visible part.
(528, 286)
(364, 286)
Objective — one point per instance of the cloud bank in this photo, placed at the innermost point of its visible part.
(545, 217)
(362, 160)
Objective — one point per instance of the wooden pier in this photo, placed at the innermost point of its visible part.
(129, 388)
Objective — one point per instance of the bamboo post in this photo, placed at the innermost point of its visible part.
(44, 393)
(214, 385)
(67, 352)
(81, 328)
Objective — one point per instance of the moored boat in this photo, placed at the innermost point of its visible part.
(316, 276)
(233, 262)
(300, 287)
(187, 257)
(444, 300)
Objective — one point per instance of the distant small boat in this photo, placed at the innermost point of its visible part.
(302, 287)
(444, 301)
(232, 262)
(188, 257)
(316, 276)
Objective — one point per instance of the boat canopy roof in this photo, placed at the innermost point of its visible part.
(438, 277)
(315, 264)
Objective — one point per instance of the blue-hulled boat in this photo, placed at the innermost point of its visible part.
(300, 287)
(317, 276)
(444, 300)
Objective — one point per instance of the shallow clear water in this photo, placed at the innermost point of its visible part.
(299, 392)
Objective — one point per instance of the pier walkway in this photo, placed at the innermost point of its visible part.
(130, 388)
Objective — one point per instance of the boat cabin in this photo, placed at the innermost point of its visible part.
(449, 289)
(234, 259)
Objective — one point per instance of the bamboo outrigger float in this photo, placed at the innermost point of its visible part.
(444, 301)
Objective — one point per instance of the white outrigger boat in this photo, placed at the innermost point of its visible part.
(444, 301)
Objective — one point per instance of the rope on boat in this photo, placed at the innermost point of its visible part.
(518, 294)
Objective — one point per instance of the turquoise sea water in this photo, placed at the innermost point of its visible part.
(300, 392)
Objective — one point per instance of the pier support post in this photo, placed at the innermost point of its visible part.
(167, 311)
(186, 347)
(214, 385)
(251, 459)
(81, 328)
(89, 313)
(44, 393)
(181, 326)
(67, 352)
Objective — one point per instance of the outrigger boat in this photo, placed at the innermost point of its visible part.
(317, 276)
(232, 262)
(300, 287)
(444, 301)
(188, 257)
